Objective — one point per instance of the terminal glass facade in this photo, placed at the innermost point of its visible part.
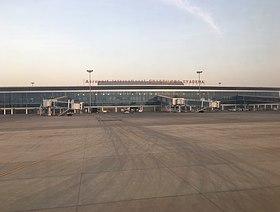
(106, 96)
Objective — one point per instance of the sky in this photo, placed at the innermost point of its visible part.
(54, 42)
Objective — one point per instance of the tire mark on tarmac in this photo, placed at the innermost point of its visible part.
(147, 132)
(82, 163)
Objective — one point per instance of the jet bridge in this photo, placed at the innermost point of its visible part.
(178, 104)
(171, 104)
(59, 106)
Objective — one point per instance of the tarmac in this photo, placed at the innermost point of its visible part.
(205, 162)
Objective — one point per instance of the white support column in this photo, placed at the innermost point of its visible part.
(12, 111)
(116, 109)
(4, 111)
(49, 111)
(26, 111)
(68, 104)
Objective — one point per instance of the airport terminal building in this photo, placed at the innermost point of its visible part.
(135, 93)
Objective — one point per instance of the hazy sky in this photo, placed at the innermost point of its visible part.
(53, 42)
